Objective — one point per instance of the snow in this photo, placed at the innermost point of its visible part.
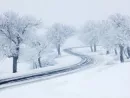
(73, 42)
(106, 77)
(62, 61)
(102, 80)
(25, 68)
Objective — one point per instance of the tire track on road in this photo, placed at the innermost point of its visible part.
(18, 80)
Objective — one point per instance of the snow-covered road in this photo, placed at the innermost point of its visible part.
(26, 78)
(105, 80)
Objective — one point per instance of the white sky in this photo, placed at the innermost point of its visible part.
(74, 12)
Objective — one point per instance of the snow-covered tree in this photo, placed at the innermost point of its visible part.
(90, 34)
(107, 36)
(57, 35)
(121, 36)
(40, 47)
(14, 30)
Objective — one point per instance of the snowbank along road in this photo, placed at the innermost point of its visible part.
(13, 81)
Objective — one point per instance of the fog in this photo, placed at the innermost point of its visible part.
(72, 12)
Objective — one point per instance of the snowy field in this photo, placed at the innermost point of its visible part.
(102, 80)
(62, 61)
(24, 67)
(64, 49)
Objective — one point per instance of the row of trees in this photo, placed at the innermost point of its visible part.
(112, 34)
(18, 36)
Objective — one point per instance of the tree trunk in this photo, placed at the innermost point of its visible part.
(121, 54)
(34, 65)
(58, 50)
(115, 51)
(16, 55)
(91, 48)
(39, 62)
(15, 59)
(95, 48)
(107, 52)
(125, 53)
(128, 51)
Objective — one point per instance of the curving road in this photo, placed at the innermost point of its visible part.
(8, 82)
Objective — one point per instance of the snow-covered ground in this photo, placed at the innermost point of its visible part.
(106, 78)
(103, 80)
(62, 61)
(25, 68)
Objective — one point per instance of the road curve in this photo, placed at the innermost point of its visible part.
(8, 82)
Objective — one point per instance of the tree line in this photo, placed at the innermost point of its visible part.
(18, 36)
(113, 34)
